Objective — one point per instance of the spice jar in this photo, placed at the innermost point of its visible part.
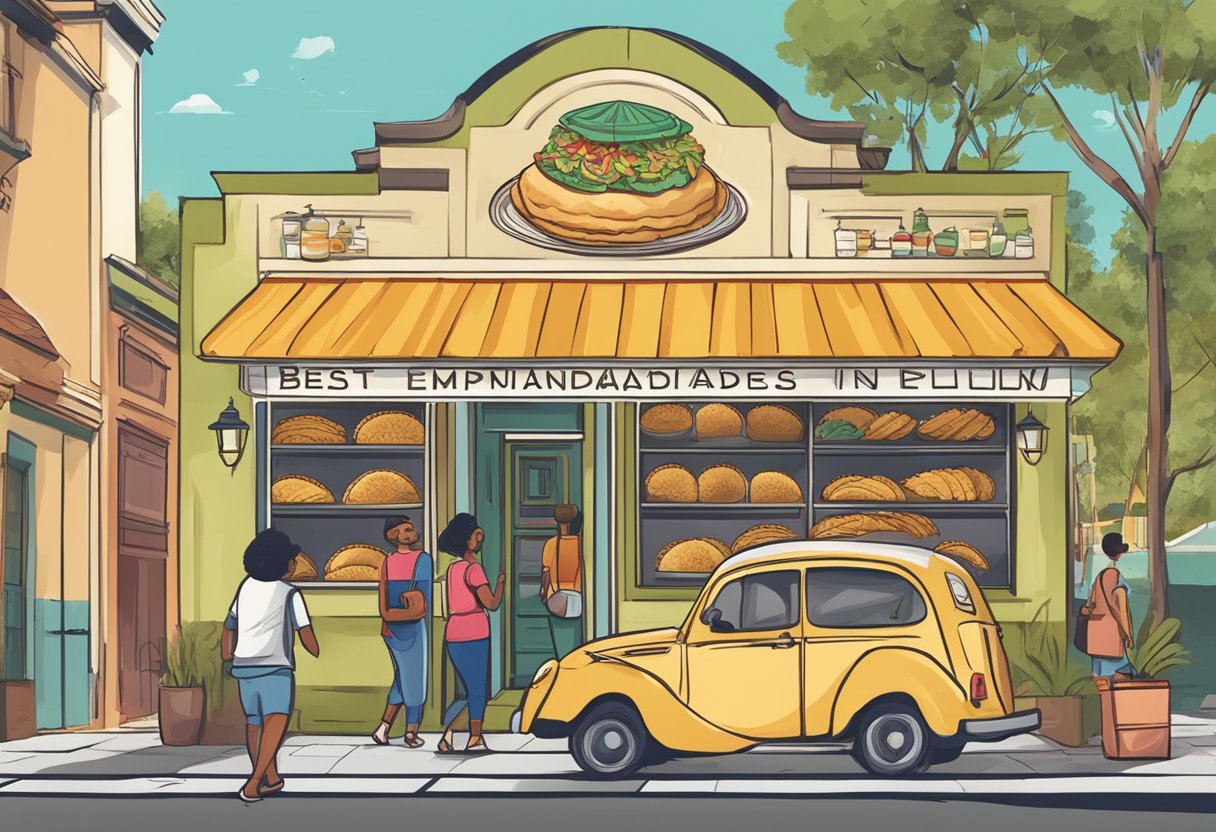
(314, 239)
(901, 242)
(846, 241)
(865, 241)
(922, 235)
(1017, 221)
(945, 243)
(997, 240)
(358, 241)
(882, 241)
(1023, 245)
(289, 238)
(345, 235)
(977, 243)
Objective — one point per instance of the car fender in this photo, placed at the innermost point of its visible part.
(665, 715)
(887, 671)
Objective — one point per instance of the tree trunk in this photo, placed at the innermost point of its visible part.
(915, 151)
(1156, 473)
(1137, 473)
(960, 138)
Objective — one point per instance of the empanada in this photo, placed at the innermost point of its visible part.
(721, 483)
(774, 487)
(390, 427)
(382, 487)
(699, 554)
(763, 533)
(670, 484)
(297, 488)
(773, 423)
(717, 421)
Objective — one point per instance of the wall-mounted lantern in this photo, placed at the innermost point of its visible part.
(1032, 438)
(231, 431)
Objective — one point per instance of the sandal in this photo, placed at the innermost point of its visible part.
(477, 745)
(376, 736)
(412, 740)
(246, 798)
(445, 747)
(271, 788)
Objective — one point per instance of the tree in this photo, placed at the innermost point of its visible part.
(1148, 58)
(158, 238)
(896, 64)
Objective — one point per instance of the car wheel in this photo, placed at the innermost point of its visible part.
(945, 754)
(893, 741)
(610, 741)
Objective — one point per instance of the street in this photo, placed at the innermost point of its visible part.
(1077, 813)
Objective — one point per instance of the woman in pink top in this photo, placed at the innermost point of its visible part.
(467, 633)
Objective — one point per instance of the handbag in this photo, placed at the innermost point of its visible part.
(564, 603)
(413, 601)
(1081, 636)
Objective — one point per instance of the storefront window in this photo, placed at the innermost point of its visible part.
(337, 471)
(935, 475)
(715, 478)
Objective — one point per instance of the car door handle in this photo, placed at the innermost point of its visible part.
(781, 642)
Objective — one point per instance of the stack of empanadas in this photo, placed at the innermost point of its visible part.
(390, 427)
(307, 430)
(356, 562)
(381, 486)
(965, 552)
(297, 488)
(670, 484)
(718, 420)
(855, 488)
(856, 525)
(763, 533)
(773, 423)
(890, 426)
(962, 484)
(302, 569)
(699, 554)
(957, 425)
(858, 417)
(666, 420)
(774, 487)
(722, 484)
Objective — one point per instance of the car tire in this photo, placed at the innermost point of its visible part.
(945, 754)
(611, 741)
(892, 741)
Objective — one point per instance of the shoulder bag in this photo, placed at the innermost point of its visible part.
(563, 603)
(1081, 636)
(413, 601)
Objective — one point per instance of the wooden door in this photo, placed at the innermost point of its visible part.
(143, 545)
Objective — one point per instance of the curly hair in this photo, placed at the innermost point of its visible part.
(454, 539)
(268, 556)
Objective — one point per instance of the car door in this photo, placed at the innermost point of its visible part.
(852, 610)
(745, 655)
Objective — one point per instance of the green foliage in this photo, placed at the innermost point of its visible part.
(158, 238)
(1158, 649)
(1045, 668)
(192, 659)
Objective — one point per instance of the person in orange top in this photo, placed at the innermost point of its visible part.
(562, 571)
(1109, 616)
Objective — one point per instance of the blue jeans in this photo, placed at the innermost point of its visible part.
(409, 673)
(472, 661)
(265, 691)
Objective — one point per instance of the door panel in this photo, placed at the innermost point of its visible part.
(16, 523)
(750, 681)
(541, 475)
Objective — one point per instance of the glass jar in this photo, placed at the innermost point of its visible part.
(997, 241)
(314, 239)
(846, 241)
(345, 235)
(901, 243)
(977, 242)
(865, 241)
(1017, 221)
(945, 243)
(289, 238)
(358, 241)
(1023, 245)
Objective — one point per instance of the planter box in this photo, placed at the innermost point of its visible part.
(181, 715)
(1068, 720)
(1135, 719)
(17, 710)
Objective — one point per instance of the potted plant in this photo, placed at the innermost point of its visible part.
(192, 664)
(1136, 712)
(1049, 681)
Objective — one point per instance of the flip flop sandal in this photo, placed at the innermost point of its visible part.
(272, 788)
(246, 798)
(479, 747)
(412, 740)
(445, 748)
(376, 737)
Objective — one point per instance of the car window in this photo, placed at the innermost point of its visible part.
(850, 597)
(768, 601)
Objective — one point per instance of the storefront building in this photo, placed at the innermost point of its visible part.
(849, 353)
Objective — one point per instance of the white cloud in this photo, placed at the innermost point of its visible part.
(310, 48)
(199, 104)
(251, 78)
(1105, 120)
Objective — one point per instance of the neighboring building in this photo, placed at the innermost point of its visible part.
(69, 156)
(531, 360)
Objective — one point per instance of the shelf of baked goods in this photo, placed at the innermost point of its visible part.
(349, 566)
(741, 507)
(328, 510)
(350, 450)
(718, 427)
(912, 428)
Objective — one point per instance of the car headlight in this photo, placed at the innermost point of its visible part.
(543, 671)
(960, 593)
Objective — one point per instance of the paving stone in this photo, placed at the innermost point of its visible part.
(128, 742)
(133, 786)
(395, 760)
(87, 758)
(487, 785)
(517, 764)
(871, 785)
(54, 743)
(353, 786)
(323, 751)
(1190, 764)
(225, 764)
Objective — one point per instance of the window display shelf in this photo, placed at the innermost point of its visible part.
(857, 447)
(349, 450)
(739, 507)
(754, 448)
(334, 584)
(341, 509)
(954, 505)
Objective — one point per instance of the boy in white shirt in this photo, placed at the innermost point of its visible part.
(259, 640)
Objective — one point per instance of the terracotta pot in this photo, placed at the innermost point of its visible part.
(1063, 718)
(225, 725)
(181, 715)
(17, 704)
(1135, 719)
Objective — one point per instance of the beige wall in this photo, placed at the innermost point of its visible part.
(119, 110)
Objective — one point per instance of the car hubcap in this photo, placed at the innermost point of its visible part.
(610, 745)
(894, 739)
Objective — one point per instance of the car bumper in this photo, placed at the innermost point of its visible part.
(1000, 727)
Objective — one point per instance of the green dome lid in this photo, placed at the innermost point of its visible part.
(624, 121)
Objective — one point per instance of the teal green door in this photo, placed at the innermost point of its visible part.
(541, 476)
(16, 542)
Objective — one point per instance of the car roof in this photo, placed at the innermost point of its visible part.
(913, 555)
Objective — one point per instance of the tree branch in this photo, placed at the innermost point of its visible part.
(1131, 143)
(1203, 462)
(1197, 99)
(1194, 376)
(1096, 163)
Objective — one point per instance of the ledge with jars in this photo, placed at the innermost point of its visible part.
(1004, 234)
(338, 470)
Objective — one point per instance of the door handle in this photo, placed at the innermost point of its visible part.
(783, 642)
(74, 632)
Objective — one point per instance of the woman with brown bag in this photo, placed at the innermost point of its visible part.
(406, 577)
(561, 582)
(1108, 616)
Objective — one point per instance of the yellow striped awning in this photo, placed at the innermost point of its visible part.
(395, 318)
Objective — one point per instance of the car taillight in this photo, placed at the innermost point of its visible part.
(979, 688)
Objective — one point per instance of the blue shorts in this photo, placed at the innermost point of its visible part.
(264, 691)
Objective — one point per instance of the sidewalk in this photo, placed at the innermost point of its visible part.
(130, 763)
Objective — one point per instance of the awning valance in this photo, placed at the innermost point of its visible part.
(404, 318)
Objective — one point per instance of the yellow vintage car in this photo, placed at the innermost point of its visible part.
(891, 648)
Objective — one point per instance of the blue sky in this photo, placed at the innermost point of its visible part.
(395, 60)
